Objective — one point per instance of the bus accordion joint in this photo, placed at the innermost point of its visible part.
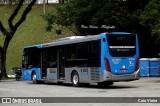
(107, 65)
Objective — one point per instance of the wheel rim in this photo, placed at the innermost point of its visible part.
(75, 79)
(34, 78)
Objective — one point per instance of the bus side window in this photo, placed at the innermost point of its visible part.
(51, 58)
(25, 60)
(73, 56)
(71, 52)
(82, 51)
(94, 53)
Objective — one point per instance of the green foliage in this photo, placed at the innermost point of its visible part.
(151, 17)
(31, 32)
(50, 19)
(92, 16)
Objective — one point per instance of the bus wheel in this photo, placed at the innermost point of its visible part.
(75, 79)
(105, 84)
(60, 83)
(84, 84)
(34, 78)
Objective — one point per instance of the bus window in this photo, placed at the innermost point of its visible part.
(71, 55)
(34, 59)
(71, 52)
(51, 57)
(82, 51)
(31, 58)
(94, 53)
(25, 59)
(122, 46)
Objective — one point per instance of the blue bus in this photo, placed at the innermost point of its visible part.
(101, 59)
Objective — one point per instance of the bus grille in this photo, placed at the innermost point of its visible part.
(94, 74)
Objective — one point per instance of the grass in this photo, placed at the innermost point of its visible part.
(31, 32)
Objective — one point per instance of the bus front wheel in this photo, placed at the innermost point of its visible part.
(75, 79)
(34, 78)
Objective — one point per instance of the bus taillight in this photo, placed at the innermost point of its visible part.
(137, 64)
(107, 64)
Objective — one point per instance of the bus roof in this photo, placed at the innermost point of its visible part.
(34, 46)
(73, 39)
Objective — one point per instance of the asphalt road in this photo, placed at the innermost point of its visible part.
(145, 87)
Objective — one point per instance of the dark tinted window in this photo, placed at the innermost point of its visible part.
(94, 54)
(50, 57)
(122, 45)
(31, 58)
(83, 54)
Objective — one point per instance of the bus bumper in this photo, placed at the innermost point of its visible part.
(126, 77)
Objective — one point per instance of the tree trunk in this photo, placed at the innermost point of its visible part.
(44, 7)
(3, 57)
(9, 34)
(3, 65)
(1, 50)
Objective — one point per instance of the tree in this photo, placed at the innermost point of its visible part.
(92, 16)
(61, 1)
(150, 18)
(85, 17)
(9, 34)
(44, 6)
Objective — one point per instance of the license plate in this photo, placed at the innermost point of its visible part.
(124, 70)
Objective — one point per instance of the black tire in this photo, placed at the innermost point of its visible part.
(34, 78)
(84, 84)
(75, 79)
(105, 84)
(60, 83)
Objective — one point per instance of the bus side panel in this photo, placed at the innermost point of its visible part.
(27, 74)
(83, 73)
(68, 73)
(24, 76)
(52, 74)
(104, 47)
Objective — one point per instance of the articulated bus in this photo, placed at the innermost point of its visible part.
(101, 59)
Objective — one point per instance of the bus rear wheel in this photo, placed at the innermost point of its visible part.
(75, 79)
(105, 84)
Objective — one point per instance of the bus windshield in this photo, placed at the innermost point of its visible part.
(122, 45)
